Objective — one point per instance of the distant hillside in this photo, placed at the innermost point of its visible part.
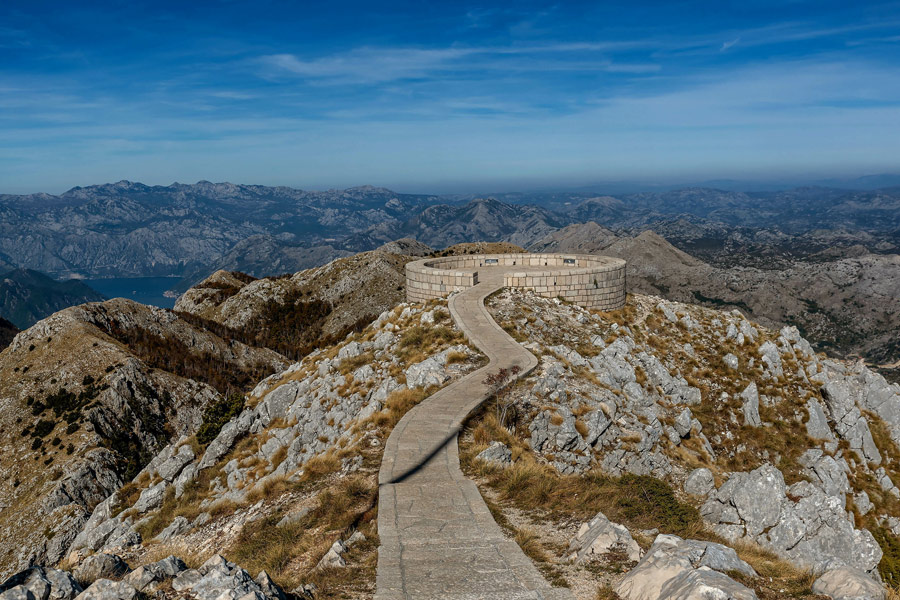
(27, 296)
(443, 225)
(813, 295)
(7, 332)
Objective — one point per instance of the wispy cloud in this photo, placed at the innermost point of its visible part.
(729, 44)
(375, 65)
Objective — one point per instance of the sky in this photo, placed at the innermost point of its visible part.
(445, 96)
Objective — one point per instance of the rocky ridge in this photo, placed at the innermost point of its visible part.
(87, 397)
(321, 422)
(813, 296)
(777, 446)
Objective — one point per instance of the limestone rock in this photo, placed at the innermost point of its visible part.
(731, 361)
(847, 583)
(40, 583)
(809, 528)
(599, 536)
(497, 453)
(683, 422)
(667, 571)
(100, 566)
(817, 425)
(162, 570)
(104, 589)
(700, 482)
(333, 557)
(705, 583)
(178, 526)
(218, 577)
(750, 406)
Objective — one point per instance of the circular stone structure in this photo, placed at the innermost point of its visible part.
(593, 282)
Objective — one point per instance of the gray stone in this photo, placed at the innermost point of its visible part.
(151, 497)
(817, 425)
(757, 497)
(599, 536)
(178, 526)
(163, 570)
(731, 361)
(333, 558)
(294, 517)
(848, 420)
(700, 482)
(683, 422)
(17, 593)
(863, 503)
(38, 583)
(169, 469)
(100, 566)
(351, 350)
(223, 442)
(750, 405)
(665, 572)
(217, 578)
(847, 583)
(62, 585)
(428, 372)
(771, 357)
(269, 588)
(104, 589)
(826, 472)
(704, 583)
(497, 453)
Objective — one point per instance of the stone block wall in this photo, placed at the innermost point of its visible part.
(594, 282)
(425, 282)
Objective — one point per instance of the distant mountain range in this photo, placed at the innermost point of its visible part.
(130, 229)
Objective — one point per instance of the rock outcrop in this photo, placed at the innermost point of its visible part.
(674, 568)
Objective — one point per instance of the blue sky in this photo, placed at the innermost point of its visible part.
(445, 96)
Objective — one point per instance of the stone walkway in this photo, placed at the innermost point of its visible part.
(438, 539)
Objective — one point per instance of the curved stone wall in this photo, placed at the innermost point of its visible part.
(594, 282)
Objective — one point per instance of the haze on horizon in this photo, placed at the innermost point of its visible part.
(444, 98)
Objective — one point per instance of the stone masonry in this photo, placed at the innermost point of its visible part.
(593, 282)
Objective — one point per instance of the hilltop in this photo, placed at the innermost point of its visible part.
(813, 296)
(256, 416)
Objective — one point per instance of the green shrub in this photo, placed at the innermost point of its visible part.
(889, 567)
(43, 427)
(217, 415)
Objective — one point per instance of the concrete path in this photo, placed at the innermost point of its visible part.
(438, 539)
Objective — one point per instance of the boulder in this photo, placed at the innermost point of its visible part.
(683, 422)
(496, 454)
(100, 566)
(163, 570)
(847, 583)
(700, 482)
(333, 558)
(802, 523)
(704, 583)
(217, 578)
(685, 569)
(428, 372)
(731, 361)
(750, 405)
(178, 526)
(599, 536)
(817, 425)
(40, 583)
(104, 589)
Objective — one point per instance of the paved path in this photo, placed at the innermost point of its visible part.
(438, 539)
